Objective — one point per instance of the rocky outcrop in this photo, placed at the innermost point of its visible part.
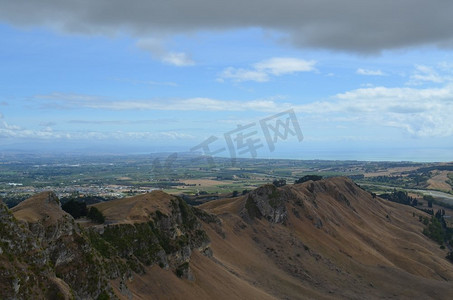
(165, 239)
(45, 241)
(25, 271)
(268, 202)
(45, 254)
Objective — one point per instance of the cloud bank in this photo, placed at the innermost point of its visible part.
(345, 25)
(421, 112)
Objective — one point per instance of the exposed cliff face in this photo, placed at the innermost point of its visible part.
(45, 253)
(56, 251)
(158, 238)
(25, 271)
(269, 202)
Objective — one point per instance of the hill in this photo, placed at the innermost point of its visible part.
(41, 207)
(325, 239)
(331, 239)
(136, 209)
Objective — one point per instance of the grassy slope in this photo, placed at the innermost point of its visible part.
(369, 248)
(356, 253)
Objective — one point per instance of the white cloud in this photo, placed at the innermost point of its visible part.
(179, 59)
(158, 51)
(366, 72)
(441, 73)
(285, 65)
(421, 112)
(5, 126)
(16, 132)
(425, 74)
(262, 71)
(244, 75)
(73, 101)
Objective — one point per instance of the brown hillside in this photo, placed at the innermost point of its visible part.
(335, 241)
(135, 209)
(327, 239)
(43, 207)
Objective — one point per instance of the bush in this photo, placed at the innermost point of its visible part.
(434, 230)
(182, 269)
(103, 296)
(279, 182)
(450, 256)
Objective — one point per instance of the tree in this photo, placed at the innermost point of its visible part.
(430, 200)
(95, 215)
(307, 178)
(279, 182)
(235, 193)
(75, 208)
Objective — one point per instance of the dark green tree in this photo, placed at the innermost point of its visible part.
(279, 182)
(429, 199)
(307, 178)
(95, 215)
(75, 208)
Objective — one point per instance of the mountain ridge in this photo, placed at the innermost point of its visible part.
(325, 239)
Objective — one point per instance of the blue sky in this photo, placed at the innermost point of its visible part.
(107, 83)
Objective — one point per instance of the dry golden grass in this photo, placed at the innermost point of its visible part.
(135, 209)
(439, 181)
(358, 253)
(43, 207)
(390, 171)
(369, 249)
(213, 281)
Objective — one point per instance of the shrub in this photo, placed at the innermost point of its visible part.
(279, 182)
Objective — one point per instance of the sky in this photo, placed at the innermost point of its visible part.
(366, 80)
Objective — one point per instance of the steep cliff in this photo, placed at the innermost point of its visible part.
(44, 253)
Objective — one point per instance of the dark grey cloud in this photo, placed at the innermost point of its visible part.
(361, 26)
